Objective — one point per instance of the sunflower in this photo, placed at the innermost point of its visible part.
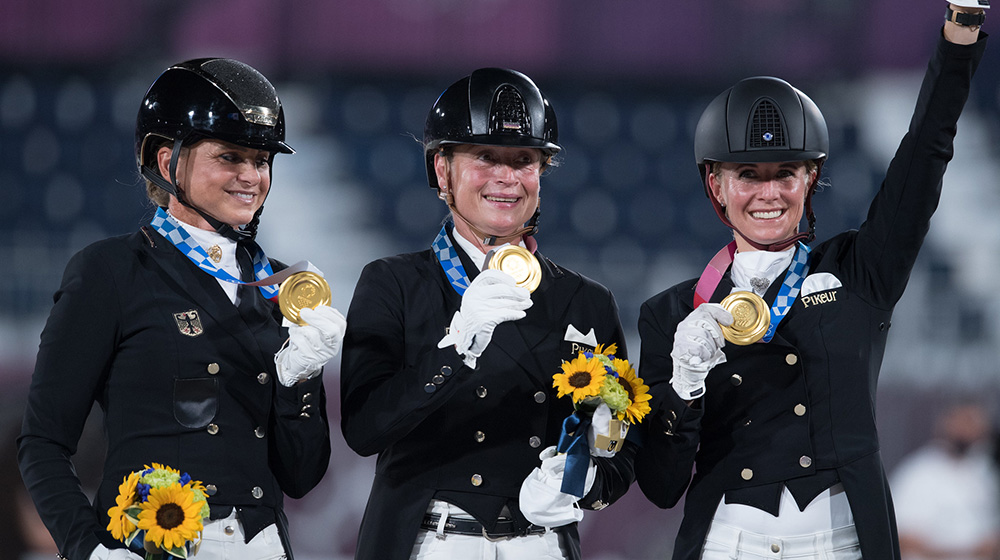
(582, 377)
(638, 392)
(609, 351)
(170, 517)
(120, 525)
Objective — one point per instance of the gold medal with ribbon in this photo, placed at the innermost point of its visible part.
(302, 290)
(751, 318)
(519, 263)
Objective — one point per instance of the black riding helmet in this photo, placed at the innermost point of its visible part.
(216, 98)
(762, 120)
(493, 107)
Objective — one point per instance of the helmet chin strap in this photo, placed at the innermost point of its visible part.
(720, 211)
(222, 229)
(530, 227)
(171, 187)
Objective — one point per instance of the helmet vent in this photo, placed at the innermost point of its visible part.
(508, 113)
(766, 128)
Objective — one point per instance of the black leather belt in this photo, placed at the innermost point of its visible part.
(505, 528)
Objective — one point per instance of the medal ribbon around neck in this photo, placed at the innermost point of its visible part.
(787, 294)
(168, 226)
(451, 263)
(447, 255)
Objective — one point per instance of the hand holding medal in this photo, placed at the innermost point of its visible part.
(300, 286)
(519, 263)
(751, 318)
(302, 290)
(317, 330)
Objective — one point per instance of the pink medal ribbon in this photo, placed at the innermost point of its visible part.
(713, 273)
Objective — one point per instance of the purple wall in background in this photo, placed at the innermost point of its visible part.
(708, 40)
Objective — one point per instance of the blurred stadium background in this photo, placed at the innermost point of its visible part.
(628, 80)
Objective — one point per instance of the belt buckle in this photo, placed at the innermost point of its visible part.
(496, 539)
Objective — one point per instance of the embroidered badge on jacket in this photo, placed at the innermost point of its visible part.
(189, 323)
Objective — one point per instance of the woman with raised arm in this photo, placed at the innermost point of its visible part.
(764, 369)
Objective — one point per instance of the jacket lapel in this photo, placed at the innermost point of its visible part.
(204, 289)
(519, 340)
(549, 302)
(516, 339)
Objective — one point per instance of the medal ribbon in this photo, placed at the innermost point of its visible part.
(713, 273)
(787, 294)
(789, 289)
(447, 255)
(167, 226)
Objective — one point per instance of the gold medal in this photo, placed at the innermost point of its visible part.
(750, 318)
(302, 290)
(519, 263)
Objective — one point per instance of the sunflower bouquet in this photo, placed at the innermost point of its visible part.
(597, 377)
(161, 507)
(593, 379)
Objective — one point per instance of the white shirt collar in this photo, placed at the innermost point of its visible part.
(478, 257)
(765, 265)
(207, 239)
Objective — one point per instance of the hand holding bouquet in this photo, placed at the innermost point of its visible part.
(596, 379)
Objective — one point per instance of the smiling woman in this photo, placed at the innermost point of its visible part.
(779, 428)
(494, 188)
(190, 364)
(447, 369)
(763, 201)
(230, 184)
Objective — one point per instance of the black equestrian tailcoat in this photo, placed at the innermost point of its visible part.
(442, 430)
(799, 411)
(184, 378)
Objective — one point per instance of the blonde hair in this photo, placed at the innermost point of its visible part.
(155, 193)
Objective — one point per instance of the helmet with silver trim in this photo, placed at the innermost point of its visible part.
(216, 98)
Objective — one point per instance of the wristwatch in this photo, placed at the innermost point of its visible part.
(965, 18)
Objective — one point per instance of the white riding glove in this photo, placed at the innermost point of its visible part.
(971, 3)
(599, 426)
(697, 348)
(541, 499)
(310, 346)
(492, 298)
(103, 553)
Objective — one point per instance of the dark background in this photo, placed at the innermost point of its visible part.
(628, 80)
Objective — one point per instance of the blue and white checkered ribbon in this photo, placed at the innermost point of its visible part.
(447, 255)
(789, 290)
(168, 226)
